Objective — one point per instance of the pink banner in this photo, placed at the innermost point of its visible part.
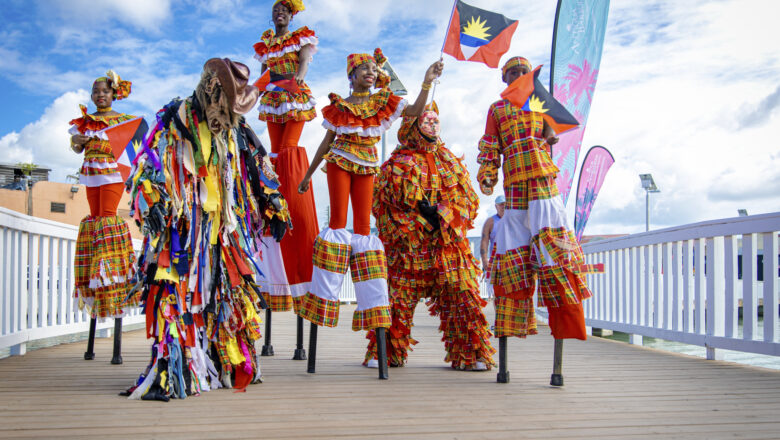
(597, 162)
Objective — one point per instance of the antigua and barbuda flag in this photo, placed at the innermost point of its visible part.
(264, 84)
(478, 35)
(528, 93)
(126, 140)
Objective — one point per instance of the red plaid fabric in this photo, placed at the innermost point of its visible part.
(514, 271)
(368, 265)
(319, 311)
(333, 257)
(559, 286)
(515, 317)
(370, 319)
(278, 303)
(518, 194)
(84, 244)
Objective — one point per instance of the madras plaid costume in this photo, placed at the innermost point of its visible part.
(105, 260)
(424, 262)
(533, 240)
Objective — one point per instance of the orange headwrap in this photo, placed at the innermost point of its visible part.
(515, 61)
(121, 88)
(356, 59)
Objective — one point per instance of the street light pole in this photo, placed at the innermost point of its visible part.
(649, 186)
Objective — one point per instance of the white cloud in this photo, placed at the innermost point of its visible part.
(46, 142)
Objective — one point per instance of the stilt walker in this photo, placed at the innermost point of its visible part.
(203, 191)
(536, 249)
(425, 205)
(105, 259)
(355, 125)
(285, 105)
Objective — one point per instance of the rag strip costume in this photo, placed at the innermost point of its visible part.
(203, 199)
(533, 239)
(105, 259)
(351, 165)
(285, 112)
(428, 254)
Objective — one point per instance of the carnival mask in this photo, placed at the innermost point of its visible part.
(429, 124)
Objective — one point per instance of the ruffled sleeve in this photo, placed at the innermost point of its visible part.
(489, 157)
(371, 119)
(271, 47)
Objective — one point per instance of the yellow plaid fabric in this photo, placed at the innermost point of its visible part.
(514, 271)
(333, 257)
(319, 311)
(278, 303)
(371, 318)
(368, 265)
(518, 194)
(515, 317)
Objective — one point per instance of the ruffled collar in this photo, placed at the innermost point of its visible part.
(370, 107)
(107, 119)
(270, 39)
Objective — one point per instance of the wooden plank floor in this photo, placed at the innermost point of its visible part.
(612, 390)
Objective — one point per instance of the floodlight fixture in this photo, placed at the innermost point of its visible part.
(650, 187)
(742, 212)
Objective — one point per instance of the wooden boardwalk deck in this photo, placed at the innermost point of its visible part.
(612, 390)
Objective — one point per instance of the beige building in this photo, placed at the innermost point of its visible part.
(62, 202)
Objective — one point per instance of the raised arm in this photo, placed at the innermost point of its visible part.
(489, 157)
(316, 160)
(433, 72)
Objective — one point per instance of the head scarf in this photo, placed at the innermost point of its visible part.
(515, 61)
(121, 88)
(356, 59)
(295, 6)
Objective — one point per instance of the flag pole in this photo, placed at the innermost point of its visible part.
(441, 54)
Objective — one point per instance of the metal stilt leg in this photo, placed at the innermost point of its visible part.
(267, 349)
(116, 359)
(90, 353)
(503, 374)
(556, 379)
(300, 352)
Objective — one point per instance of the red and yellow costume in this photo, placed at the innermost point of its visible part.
(426, 261)
(104, 250)
(285, 113)
(352, 163)
(533, 239)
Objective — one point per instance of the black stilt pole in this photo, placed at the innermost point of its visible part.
(267, 349)
(90, 353)
(381, 352)
(116, 359)
(300, 352)
(312, 348)
(556, 379)
(503, 374)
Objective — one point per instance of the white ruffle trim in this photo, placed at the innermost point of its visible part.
(100, 134)
(313, 41)
(100, 180)
(363, 243)
(286, 107)
(369, 131)
(352, 158)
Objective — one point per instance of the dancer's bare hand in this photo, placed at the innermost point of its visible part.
(303, 186)
(434, 71)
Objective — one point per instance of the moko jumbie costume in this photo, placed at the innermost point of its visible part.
(425, 205)
(204, 193)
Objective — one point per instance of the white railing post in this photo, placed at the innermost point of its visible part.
(715, 294)
(770, 286)
(731, 302)
(749, 284)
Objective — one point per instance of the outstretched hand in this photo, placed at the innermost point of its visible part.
(434, 71)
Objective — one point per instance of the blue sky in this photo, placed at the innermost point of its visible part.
(687, 91)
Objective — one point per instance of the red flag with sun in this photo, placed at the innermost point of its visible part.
(478, 35)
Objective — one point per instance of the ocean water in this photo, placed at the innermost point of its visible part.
(758, 360)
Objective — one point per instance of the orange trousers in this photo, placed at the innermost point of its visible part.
(104, 199)
(291, 163)
(342, 185)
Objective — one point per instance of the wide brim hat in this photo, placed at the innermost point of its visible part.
(234, 78)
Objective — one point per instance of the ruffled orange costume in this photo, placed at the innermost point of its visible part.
(430, 262)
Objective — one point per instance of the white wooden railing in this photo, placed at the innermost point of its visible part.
(681, 284)
(36, 282)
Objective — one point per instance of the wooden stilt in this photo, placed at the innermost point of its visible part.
(300, 352)
(556, 379)
(116, 358)
(503, 374)
(381, 352)
(90, 353)
(312, 348)
(267, 349)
